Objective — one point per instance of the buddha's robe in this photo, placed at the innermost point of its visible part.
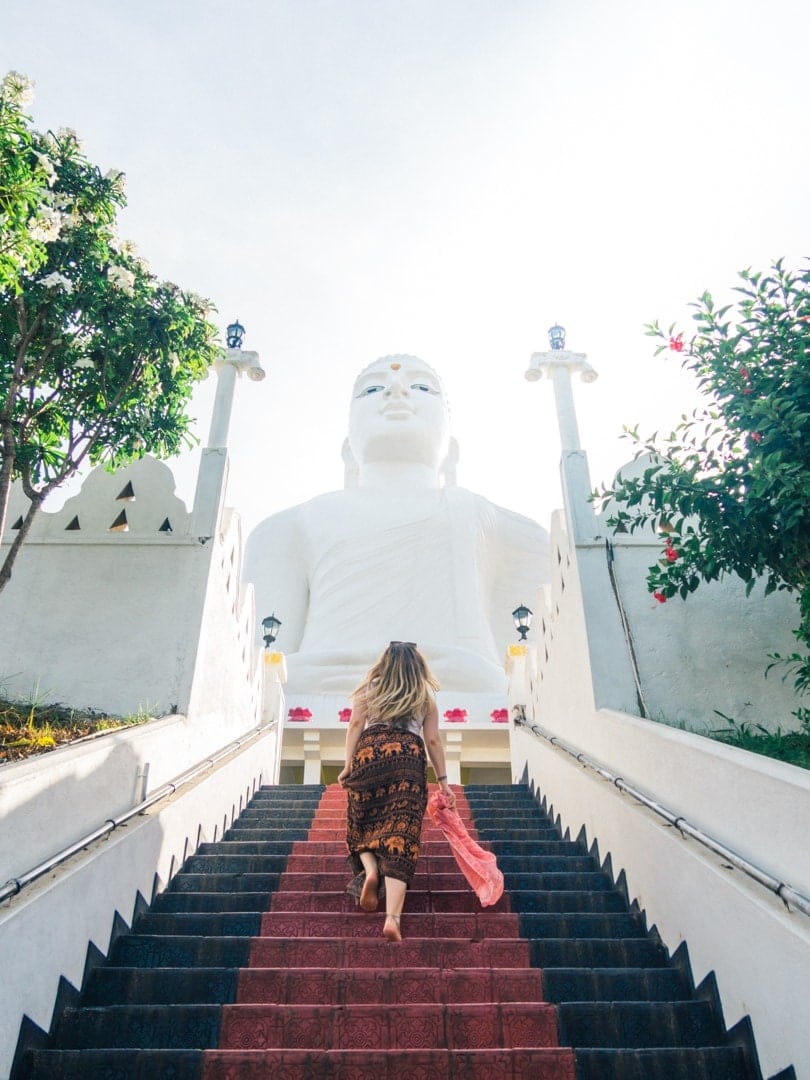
(351, 570)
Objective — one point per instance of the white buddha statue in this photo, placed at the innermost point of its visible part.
(400, 554)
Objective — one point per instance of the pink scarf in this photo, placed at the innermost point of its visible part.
(477, 866)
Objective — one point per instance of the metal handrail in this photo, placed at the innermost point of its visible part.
(14, 886)
(789, 896)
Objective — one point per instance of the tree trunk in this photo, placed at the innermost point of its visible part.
(5, 492)
(19, 539)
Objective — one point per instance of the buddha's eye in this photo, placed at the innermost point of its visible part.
(423, 387)
(370, 390)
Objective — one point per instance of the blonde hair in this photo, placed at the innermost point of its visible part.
(398, 686)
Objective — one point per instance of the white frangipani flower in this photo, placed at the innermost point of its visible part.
(84, 362)
(122, 279)
(117, 179)
(17, 89)
(47, 167)
(55, 280)
(68, 135)
(47, 225)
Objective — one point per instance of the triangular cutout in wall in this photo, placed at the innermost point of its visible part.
(120, 524)
(166, 527)
(127, 493)
(73, 525)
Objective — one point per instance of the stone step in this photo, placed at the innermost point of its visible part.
(164, 950)
(211, 901)
(596, 953)
(567, 900)
(405, 986)
(461, 899)
(201, 923)
(615, 984)
(231, 884)
(161, 986)
(426, 1025)
(466, 1026)
(711, 1063)
(523, 1064)
(638, 1024)
(592, 881)
(584, 924)
(315, 884)
(467, 926)
(310, 986)
(375, 952)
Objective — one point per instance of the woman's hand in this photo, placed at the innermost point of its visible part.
(448, 793)
(343, 775)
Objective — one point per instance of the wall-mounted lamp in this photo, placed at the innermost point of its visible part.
(271, 626)
(523, 619)
(235, 334)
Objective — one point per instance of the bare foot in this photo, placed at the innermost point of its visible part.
(368, 894)
(391, 930)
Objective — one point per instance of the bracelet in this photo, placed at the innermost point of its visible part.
(440, 778)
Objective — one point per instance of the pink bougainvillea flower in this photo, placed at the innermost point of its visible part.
(456, 716)
(671, 554)
(676, 343)
(345, 715)
(299, 714)
(755, 435)
(744, 372)
(659, 596)
(500, 716)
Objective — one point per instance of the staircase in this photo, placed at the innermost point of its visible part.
(255, 964)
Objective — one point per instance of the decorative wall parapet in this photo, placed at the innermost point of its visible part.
(116, 606)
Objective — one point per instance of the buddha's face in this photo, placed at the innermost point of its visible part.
(399, 413)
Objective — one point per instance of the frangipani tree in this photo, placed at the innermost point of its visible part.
(98, 358)
(729, 488)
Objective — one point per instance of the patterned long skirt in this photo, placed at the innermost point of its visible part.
(387, 791)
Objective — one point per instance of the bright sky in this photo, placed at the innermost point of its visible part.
(448, 178)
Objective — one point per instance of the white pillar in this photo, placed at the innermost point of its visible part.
(559, 365)
(609, 656)
(312, 757)
(223, 404)
(209, 496)
(452, 756)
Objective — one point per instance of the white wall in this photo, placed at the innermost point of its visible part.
(45, 932)
(123, 621)
(52, 800)
(710, 651)
(759, 952)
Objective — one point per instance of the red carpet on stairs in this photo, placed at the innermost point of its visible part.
(325, 996)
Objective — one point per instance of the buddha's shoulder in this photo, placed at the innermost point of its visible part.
(294, 518)
(503, 519)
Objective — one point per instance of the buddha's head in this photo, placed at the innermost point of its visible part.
(399, 413)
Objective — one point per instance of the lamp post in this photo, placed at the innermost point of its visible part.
(523, 620)
(271, 625)
(212, 476)
(559, 364)
(232, 361)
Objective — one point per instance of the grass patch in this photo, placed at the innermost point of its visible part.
(792, 746)
(26, 729)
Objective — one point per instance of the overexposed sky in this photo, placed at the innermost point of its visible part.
(353, 178)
